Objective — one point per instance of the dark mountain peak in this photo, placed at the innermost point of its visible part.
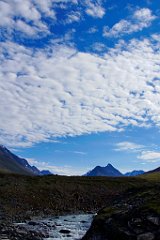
(3, 148)
(109, 170)
(110, 166)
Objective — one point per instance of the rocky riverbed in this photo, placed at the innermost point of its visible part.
(60, 227)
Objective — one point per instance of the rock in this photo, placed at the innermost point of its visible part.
(154, 220)
(136, 225)
(64, 231)
(108, 220)
(146, 236)
(32, 223)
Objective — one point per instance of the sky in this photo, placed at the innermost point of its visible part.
(80, 83)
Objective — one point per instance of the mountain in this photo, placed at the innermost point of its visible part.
(154, 170)
(134, 173)
(45, 172)
(10, 163)
(109, 170)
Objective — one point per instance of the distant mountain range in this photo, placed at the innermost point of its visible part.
(10, 163)
(111, 171)
(134, 173)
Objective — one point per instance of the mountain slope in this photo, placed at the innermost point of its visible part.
(109, 170)
(46, 172)
(10, 163)
(157, 170)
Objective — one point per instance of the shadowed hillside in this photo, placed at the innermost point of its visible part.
(134, 215)
(10, 163)
(24, 196)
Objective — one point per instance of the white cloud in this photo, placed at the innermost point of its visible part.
(99, 47)
(128, 146)
(92, 30)
(30, 17)
(60, 170)
(25, 28)
(57, 91)
(33, 162)
(74, 152)
(147, 155)
(79, 152)
(94, 8)
(142, 18)
(151, 156)
(26, 17)
(73, 17)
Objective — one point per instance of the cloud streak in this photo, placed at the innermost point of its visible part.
(60, 170)
(129, 146)
(141, 18)
(150, 156)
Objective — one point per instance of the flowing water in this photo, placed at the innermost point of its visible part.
(69, 227)
(76, 225)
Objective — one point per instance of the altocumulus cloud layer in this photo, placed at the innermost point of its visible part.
(59, 91)
(31, 18)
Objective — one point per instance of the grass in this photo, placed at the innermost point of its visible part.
(155, 177)
(22, 196)
(148, 194)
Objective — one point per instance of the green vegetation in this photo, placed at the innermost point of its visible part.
(133, 214)
(24, 196)
(155, 177)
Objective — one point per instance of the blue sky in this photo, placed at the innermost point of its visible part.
(79, 83)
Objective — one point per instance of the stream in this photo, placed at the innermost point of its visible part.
(67, 227)
(76, 226)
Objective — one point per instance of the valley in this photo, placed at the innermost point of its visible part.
(126, 207)
(24, 198)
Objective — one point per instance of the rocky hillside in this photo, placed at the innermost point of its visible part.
(135, 215)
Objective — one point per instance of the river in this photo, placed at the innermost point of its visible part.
(68, 227)
(76, 225)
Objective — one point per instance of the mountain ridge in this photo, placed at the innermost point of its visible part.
(11, 163)
(109, 170)
(134, 173)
